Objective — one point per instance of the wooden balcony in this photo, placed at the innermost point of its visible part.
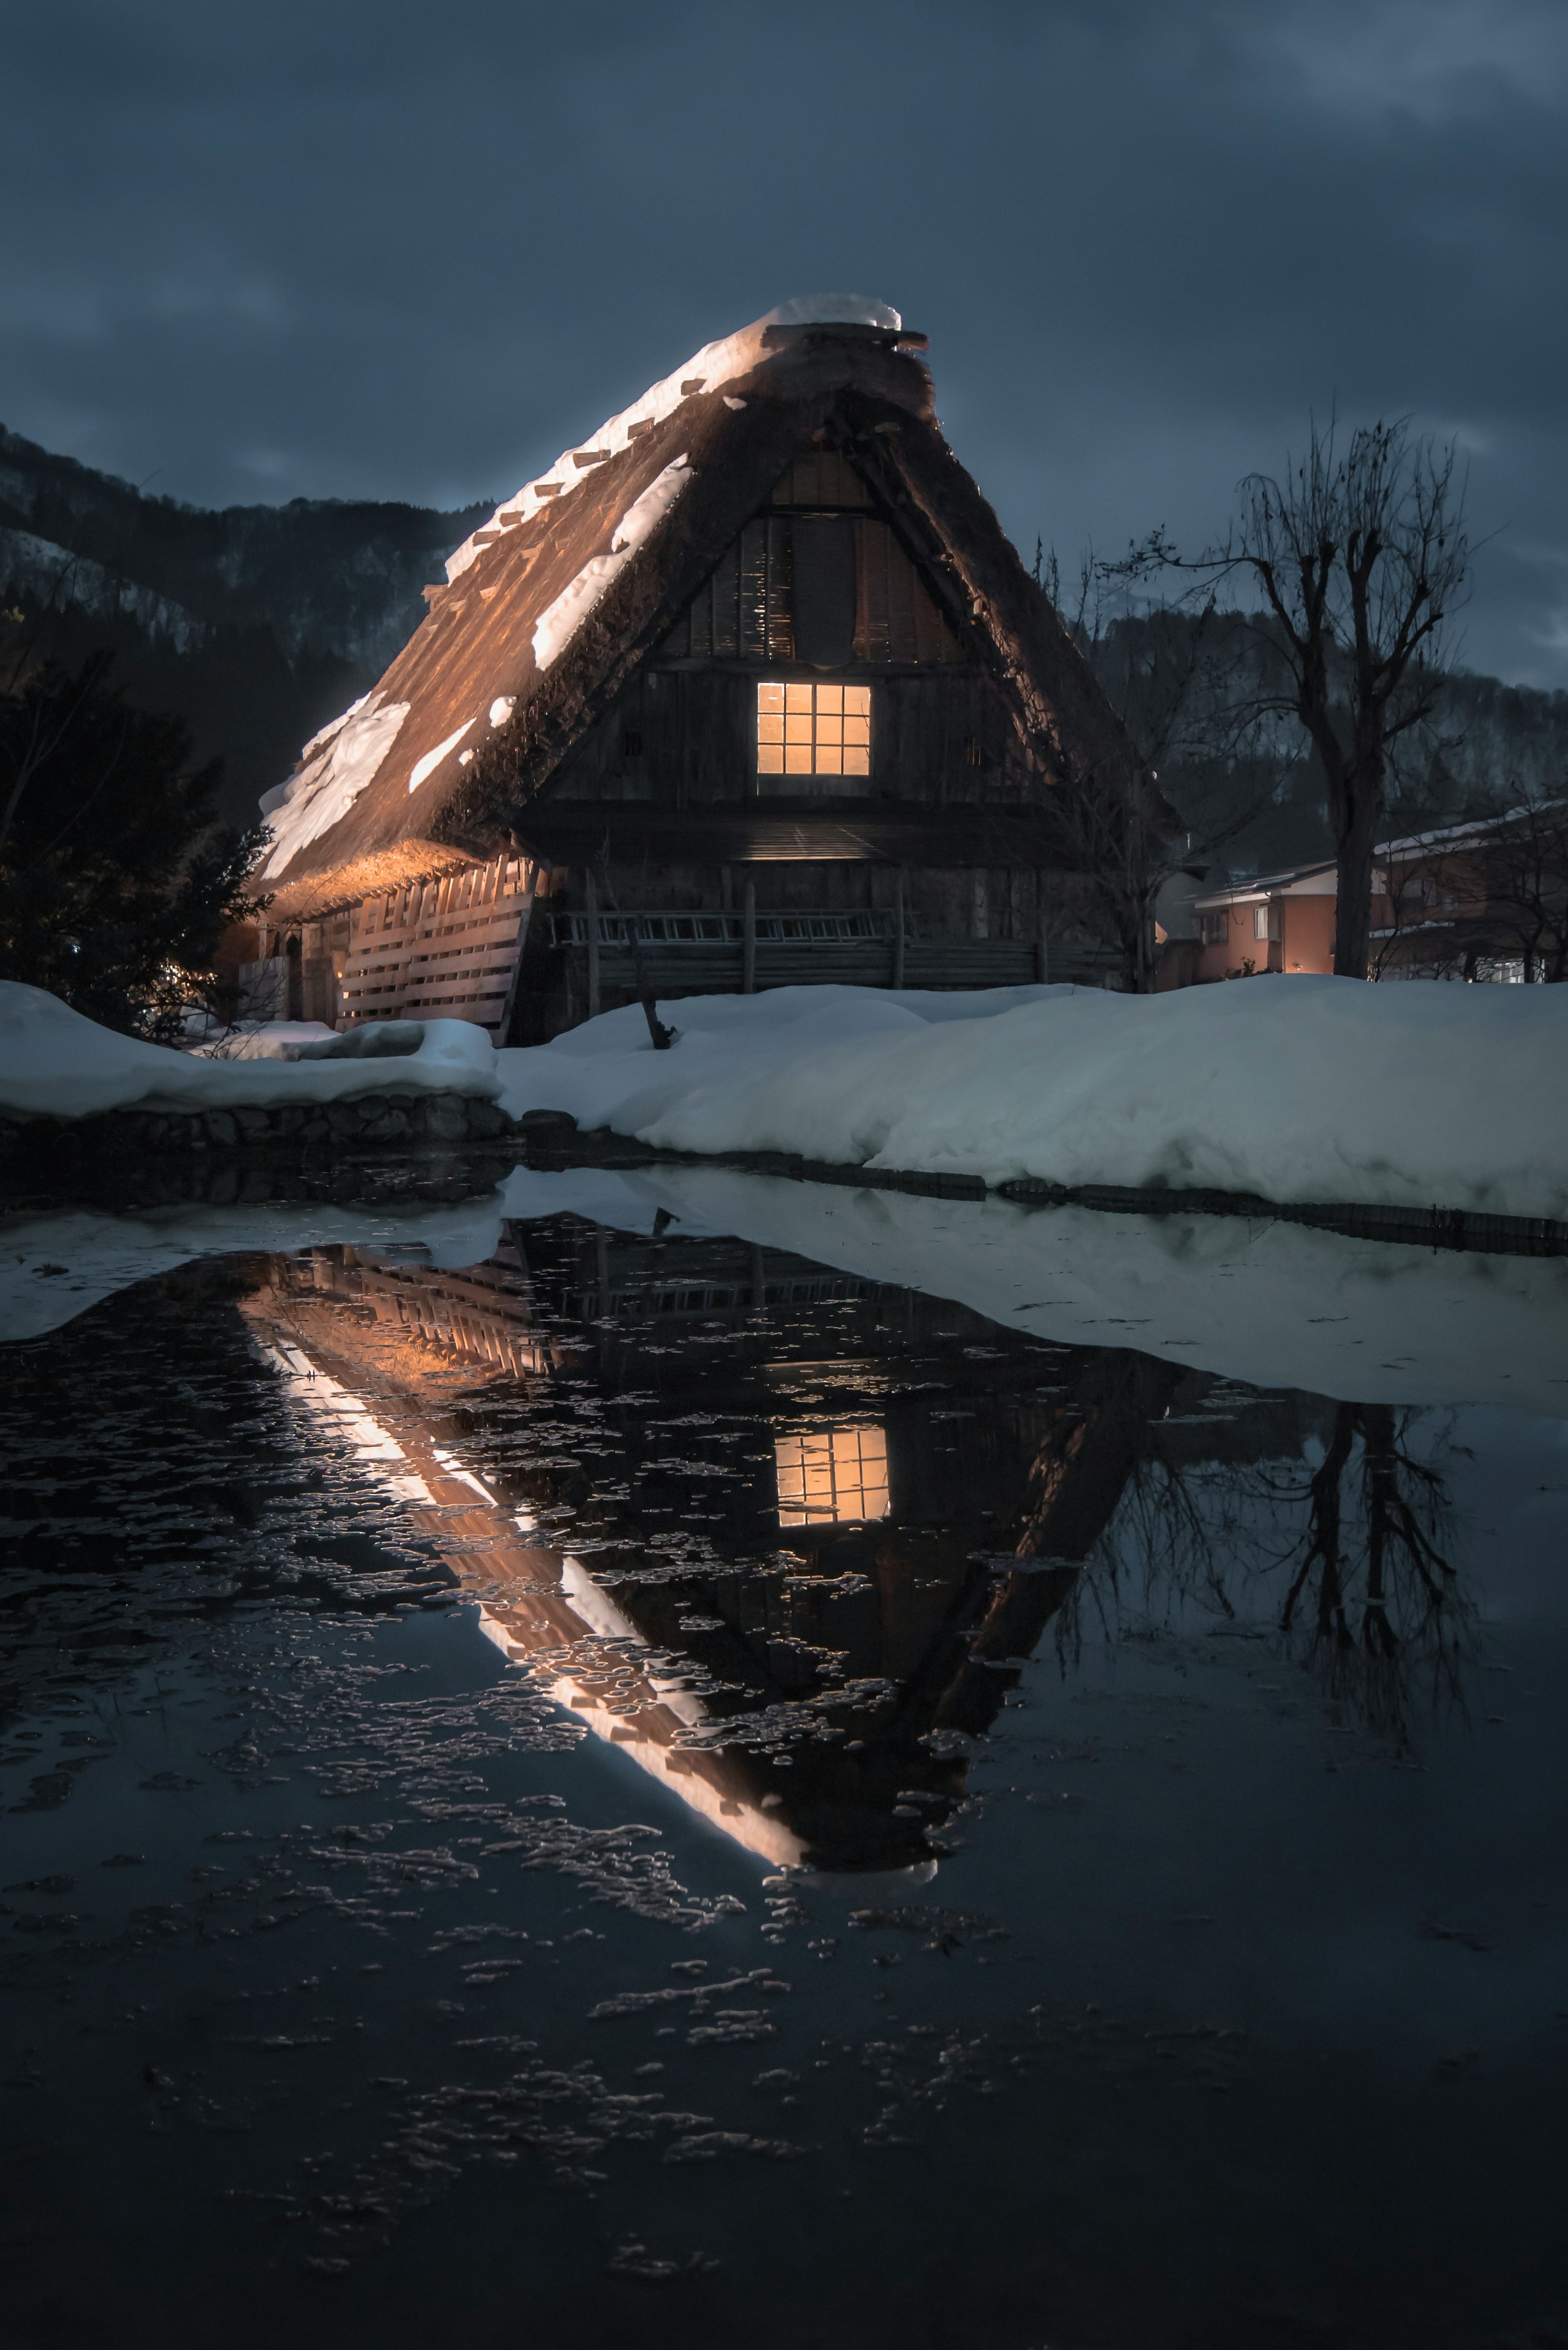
(701, 953)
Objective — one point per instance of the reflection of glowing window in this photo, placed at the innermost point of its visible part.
(814, 729)
(829, 1474)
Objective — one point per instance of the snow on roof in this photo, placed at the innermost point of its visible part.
(345, 759)
(1294, 877)
(557, 622)
(575, 578)
(349, 757)
(708, 369)
(1450, 835)
(834, 310)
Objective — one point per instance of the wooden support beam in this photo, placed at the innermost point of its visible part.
(593, 907)
(898, 929)
(749, 942)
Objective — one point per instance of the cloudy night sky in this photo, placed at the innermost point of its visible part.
(337, 249)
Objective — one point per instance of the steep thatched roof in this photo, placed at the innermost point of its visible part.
(550, 609)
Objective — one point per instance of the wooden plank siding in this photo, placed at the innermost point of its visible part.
(441, 949)
(687, 737)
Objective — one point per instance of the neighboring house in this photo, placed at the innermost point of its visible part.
(749, 689)
(1483, 900)
(1486, 900)
(1280, 922)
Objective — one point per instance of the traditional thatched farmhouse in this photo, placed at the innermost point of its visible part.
(748, 689)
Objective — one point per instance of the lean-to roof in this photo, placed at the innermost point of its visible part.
(549, 609)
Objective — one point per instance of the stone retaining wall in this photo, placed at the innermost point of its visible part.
(364, 1119)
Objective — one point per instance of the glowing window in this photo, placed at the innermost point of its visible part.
(830, 1475)
(814, 729)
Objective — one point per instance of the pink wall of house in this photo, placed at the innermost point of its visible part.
(1304, 943)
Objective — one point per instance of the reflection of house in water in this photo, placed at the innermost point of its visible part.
(801, 1495)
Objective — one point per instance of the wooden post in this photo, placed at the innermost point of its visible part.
(593, 902)
(899, 930)
(749, 942)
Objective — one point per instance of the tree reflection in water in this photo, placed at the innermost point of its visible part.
(1372, 1603)
(1390, 1622)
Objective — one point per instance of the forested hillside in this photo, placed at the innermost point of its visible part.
(256, 624)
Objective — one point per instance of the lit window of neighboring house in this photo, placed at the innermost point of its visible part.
(831, 1475)
(1266, 920)
(814, 729)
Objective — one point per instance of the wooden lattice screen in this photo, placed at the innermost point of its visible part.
(441, 949)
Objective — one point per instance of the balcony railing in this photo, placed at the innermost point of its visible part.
(699, 929)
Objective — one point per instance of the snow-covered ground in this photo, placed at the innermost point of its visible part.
(262, 1040)
(1297, 1089)
(56, 1064)
(1309, 1090)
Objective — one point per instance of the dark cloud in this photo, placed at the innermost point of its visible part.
(366, 247)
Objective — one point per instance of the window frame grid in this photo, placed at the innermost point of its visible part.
(831, 1489)
(808, 727)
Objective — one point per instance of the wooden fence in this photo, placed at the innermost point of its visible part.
(441, 949)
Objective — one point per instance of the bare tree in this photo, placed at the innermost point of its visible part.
(1360, 559)
(1182, 685)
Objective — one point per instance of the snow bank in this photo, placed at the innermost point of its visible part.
(1298, 1090)
(54, 1062)
(262, 1040)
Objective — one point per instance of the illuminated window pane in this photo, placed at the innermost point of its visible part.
(826, 729)
(831, 1476)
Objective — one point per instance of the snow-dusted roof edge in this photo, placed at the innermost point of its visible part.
(708, 369)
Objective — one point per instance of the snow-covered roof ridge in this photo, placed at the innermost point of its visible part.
(708, 369)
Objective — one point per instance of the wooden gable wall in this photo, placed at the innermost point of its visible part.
(684, 731)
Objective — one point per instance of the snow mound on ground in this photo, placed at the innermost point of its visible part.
(1297, 1090)
(264, 1040)
(54, 1062)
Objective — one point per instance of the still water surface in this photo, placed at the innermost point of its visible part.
(658, 1786)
